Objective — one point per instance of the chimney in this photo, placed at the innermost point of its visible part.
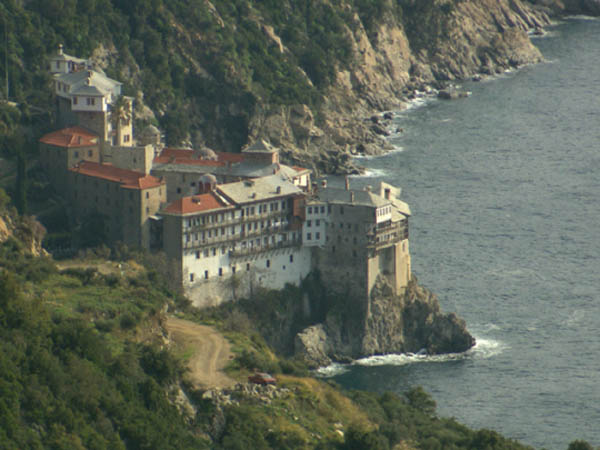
(388, 193)
(347, 183)
(60, 49)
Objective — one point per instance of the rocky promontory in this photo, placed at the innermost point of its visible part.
(407, 323)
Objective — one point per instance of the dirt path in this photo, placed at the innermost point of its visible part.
(207, 352)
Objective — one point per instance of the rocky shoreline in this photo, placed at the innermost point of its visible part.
(407, 323)
(477, 39)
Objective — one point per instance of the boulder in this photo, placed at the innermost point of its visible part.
(312, 346)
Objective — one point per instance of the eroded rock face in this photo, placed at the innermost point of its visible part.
(411, 322)
(390, 62)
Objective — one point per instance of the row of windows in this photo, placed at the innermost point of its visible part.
(220, 271)
(317, 223)
(384, 211)
(210, 218)
(317, 209)
(90, 153)
(309, 236)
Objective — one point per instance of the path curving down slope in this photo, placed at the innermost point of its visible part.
(209, 350)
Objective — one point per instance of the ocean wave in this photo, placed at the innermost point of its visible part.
(332, 370)
(484, 348)
(396, 149)
(581, 17)
(370, 173)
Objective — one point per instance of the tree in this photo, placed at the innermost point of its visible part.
(580, 445)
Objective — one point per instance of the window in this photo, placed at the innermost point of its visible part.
(198, 254)
(317, 235)
(341, 210)
(232, 269)
(179, 190)
(90, 153)
(283, 204)
(354, 253)
(247, 267)
(223, 250)
(126, 138)
(191, 277)
(206, 253)
(268, 263)
(220, 272)
(317, 223)
(291, 258)
(76, 154)
(206, 274)
(308, 236)
(309, 223)
(310, 209)
(214, 251)
(322, 210)
(147, 194)
(147, 210)
(74, 100)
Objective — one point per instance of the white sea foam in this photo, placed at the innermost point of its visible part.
(332, 370)
(484, 348)
(581, 17)
(396, 149)
(370, 173)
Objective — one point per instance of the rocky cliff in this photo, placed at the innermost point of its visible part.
(408, 323)
(419, 45)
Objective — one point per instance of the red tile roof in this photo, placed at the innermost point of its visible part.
(129, 179)
(196, 203)
(70, 137)
(186, 156)
(299, 169)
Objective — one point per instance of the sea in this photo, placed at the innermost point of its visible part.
(504, 188)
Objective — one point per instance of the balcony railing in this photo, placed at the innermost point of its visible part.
(245, 251)
(248, 234)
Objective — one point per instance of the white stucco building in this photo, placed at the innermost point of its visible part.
(237, 238)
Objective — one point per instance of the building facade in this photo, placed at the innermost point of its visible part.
(237, 238)
(126, 200)
(64, 149)
(358, 236)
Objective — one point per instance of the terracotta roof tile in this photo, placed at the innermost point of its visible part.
(129, 179)
(195, 204)
(299, 169)
(70, 137)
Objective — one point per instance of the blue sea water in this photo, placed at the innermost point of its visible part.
(504, 187)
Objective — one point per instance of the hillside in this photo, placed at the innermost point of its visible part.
(87, 362)
(304, 75)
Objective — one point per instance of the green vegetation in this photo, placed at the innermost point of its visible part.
(204, 66)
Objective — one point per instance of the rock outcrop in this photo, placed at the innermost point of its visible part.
(429, 46)
(412, 322)
(24, 229)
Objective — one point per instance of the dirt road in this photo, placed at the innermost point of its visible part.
(206, 351)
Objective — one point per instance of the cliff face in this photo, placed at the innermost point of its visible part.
(423, 44)
(411, 322)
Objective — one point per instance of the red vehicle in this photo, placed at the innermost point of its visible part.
(261, 378)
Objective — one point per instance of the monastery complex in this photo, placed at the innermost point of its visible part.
(229, 223)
